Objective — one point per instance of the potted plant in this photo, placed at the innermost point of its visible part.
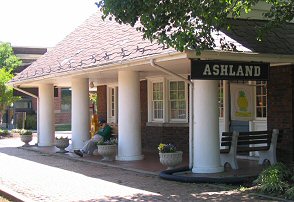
(26, 136)
(107, 149)
(169, 156)
(61, 143)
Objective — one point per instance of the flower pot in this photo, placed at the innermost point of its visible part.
(171, 160)
(107, 151)
(61, 144)
(26, 139)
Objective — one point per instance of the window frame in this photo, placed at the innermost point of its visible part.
(176, 120)
(166, 100)
(255, 100)
(112, 92)
(150, 100)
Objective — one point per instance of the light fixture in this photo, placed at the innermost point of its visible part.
(91, 84)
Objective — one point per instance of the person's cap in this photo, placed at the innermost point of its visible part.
(102, 121)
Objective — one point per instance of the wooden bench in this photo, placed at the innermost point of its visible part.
(264, 142)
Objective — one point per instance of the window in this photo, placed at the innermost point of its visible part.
(221, 98)
(261, 99)
(167, 100)
(112, 104)
(177, 100)
(23, 104)
(65, 100)
(157, 100)
(112, 110)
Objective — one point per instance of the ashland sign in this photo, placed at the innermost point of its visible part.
(228, 70)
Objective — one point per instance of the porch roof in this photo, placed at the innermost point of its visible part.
(94, 44)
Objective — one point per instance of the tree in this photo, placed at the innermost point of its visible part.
(8, 63)
(189, 24)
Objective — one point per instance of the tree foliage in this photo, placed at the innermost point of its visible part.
(8, 60)
(8, 63)
(189, 24)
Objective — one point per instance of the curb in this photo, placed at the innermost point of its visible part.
(12, 195)
(269, 197)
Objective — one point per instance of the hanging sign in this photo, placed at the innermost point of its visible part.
(242, 102)
(228, 70)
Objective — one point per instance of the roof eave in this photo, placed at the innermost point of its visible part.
(105, 67)
(242, 56)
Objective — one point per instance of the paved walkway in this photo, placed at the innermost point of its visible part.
(35, 176)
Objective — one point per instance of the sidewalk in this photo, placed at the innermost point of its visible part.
(36, 176)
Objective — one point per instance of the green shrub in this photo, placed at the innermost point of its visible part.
(273, 179)
(289, 194)
(15, 130)
(31, 122)
(4, 133)
(26, 132)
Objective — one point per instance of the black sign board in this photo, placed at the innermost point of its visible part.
(228, 70)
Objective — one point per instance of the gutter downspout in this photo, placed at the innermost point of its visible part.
(191, 117)
(34, 96)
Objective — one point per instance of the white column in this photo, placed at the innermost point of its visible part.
(79, 112)
(129, 117)
(206, 128)
(46, 116)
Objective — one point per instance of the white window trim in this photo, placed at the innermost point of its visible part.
(254, 102)
(110, 118)
(166, 107)
(149, 95)
(168, 101)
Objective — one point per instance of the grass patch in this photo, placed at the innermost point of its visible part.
(63, 127)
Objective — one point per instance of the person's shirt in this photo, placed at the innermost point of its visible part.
(105, 132)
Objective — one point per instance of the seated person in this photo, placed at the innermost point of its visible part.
(104, 133)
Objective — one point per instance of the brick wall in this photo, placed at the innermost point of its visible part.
(144, 113)
(160, 134)
(57, 100)
(102, 101)
(280, 109)
(152, 136)
(62, 118)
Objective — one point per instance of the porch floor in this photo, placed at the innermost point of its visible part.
(248, 168)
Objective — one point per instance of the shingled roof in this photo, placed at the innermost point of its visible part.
(94, 43)
(279, 40)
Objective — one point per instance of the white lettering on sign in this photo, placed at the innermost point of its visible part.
(228, 70)
(207, 70)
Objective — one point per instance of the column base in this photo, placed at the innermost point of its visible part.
(218, 169)
(45, 144)
(129, 158)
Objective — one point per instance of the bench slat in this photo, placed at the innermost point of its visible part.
(226, 143)
(252, 133)
(248, 142)
(248, 149)
(225, 139)
(223, 151)
(254, 137)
